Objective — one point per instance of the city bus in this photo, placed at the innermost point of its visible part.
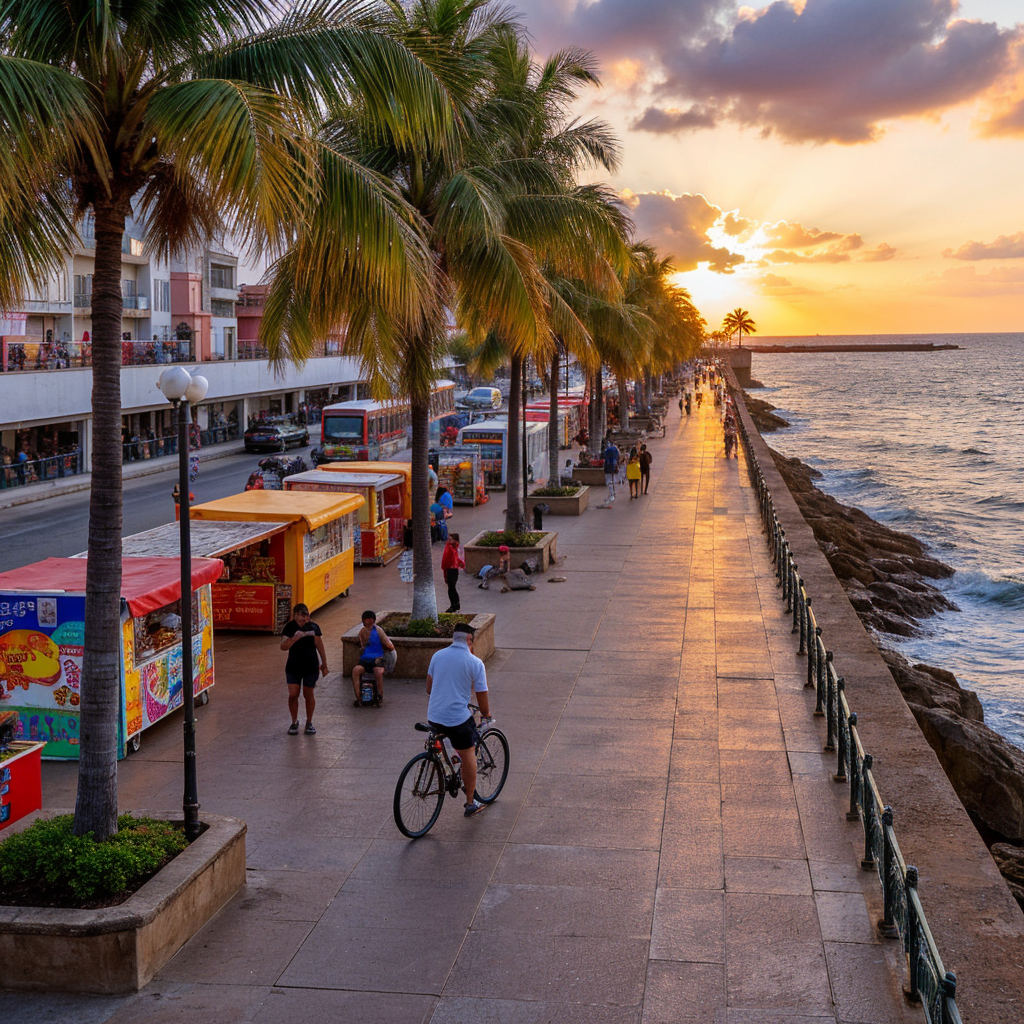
(368, 431)
(491, 438)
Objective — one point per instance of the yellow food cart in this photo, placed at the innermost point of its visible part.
(317, 547)
(380, 518)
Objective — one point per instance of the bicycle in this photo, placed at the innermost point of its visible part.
(429, 776)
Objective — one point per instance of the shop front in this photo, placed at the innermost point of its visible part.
(47, 452)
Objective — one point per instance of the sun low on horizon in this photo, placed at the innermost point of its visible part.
(833, 166)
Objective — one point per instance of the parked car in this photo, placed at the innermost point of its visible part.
(483, 398)
(276, 435)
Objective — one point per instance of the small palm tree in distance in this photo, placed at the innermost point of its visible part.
(739, 322)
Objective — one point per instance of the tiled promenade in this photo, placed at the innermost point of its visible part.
(668, 846)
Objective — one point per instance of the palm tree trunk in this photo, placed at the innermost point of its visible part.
(99, 713)
(596, 406)
(514, 460)
(424, 598)
(623, 402)
(554, 449)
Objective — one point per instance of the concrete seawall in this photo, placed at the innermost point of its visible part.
(977, 924)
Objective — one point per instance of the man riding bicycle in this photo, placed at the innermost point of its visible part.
(457, 677)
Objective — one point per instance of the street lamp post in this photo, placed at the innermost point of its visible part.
(183, 389)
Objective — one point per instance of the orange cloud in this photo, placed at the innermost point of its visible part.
(1003, 248)
(781, 287)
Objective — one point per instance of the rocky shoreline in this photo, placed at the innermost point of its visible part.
(886, 575)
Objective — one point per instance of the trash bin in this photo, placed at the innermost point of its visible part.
(539, 511)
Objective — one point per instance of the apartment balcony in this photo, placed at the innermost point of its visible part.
(46, 306)
(136, 305)
(83, 303)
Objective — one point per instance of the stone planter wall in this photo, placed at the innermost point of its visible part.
(414, 652)
(116, 950)
(573, 506)
(477, 557)
(591, 476)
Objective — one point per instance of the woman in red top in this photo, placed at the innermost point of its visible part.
(451, 562)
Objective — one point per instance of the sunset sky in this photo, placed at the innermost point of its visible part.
(833, 166)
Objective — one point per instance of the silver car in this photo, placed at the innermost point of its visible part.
(483, 398)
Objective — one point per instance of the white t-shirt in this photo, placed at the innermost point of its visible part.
(455, 673)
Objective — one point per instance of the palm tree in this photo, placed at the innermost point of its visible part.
(189, 115)
(570, 230)
(457, 201)
(738, 322)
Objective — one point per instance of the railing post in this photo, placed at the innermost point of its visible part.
(831, 708)
(844, 733)
(853, 814)
(780, 560)
(887, 926)
(913, 939)
(813, 654)
(949, 992)
(805, 608)
(867, 803)
(821, 681)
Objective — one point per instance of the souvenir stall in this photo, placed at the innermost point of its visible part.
(251, 593)
(21, 777)
(42, 637)
(379, 528)
(459, 468)
(316, 556)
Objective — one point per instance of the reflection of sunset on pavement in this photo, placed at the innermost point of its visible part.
(843, 166)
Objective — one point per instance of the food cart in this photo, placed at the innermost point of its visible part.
(251, 593)
(42, 638)
(379, 529)
(317, 555)
(21, 778)
(460, 469)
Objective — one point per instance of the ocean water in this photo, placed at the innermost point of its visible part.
(931, 444)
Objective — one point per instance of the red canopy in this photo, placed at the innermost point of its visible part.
(146, 583)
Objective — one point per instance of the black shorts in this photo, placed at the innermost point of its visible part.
(308, 681)
(463, 737)
(369, 664)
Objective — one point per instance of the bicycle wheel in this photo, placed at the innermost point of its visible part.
(419, 795)
(491, 765)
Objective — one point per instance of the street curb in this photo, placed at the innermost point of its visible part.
(82, 482)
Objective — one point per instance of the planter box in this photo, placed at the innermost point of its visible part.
(477, 556)
(116, 950)
(640, 422)
(415, 652)
(591, 476)
(573, 506)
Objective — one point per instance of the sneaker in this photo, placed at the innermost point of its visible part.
(293, 729)
(310, 728)
(475, 807)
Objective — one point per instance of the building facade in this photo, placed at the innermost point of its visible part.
(188, 310)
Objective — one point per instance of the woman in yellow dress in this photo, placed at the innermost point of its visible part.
(633, 473)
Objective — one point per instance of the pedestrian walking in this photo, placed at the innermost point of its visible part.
(452, 561)
(307, 659)
(633, 473)
(405, 567)
(645, 468)
(611, 468)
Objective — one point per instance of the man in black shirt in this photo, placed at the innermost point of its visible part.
(304, 643)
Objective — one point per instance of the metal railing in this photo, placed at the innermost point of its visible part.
(903, 915)
(31, 471)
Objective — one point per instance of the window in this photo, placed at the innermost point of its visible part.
(161, 296)
(222, 276)
(83, 290)
(127, 288)
(222, 307)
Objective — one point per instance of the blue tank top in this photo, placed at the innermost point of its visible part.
(374, 648)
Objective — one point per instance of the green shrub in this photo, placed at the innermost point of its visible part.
(50, 855)
(399, 624)
(495, 538)
(556, 492)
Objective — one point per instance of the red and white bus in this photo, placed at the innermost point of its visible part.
(368, 431)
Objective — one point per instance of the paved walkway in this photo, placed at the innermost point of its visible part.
(668, 846)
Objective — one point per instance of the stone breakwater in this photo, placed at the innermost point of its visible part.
(886, 575)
